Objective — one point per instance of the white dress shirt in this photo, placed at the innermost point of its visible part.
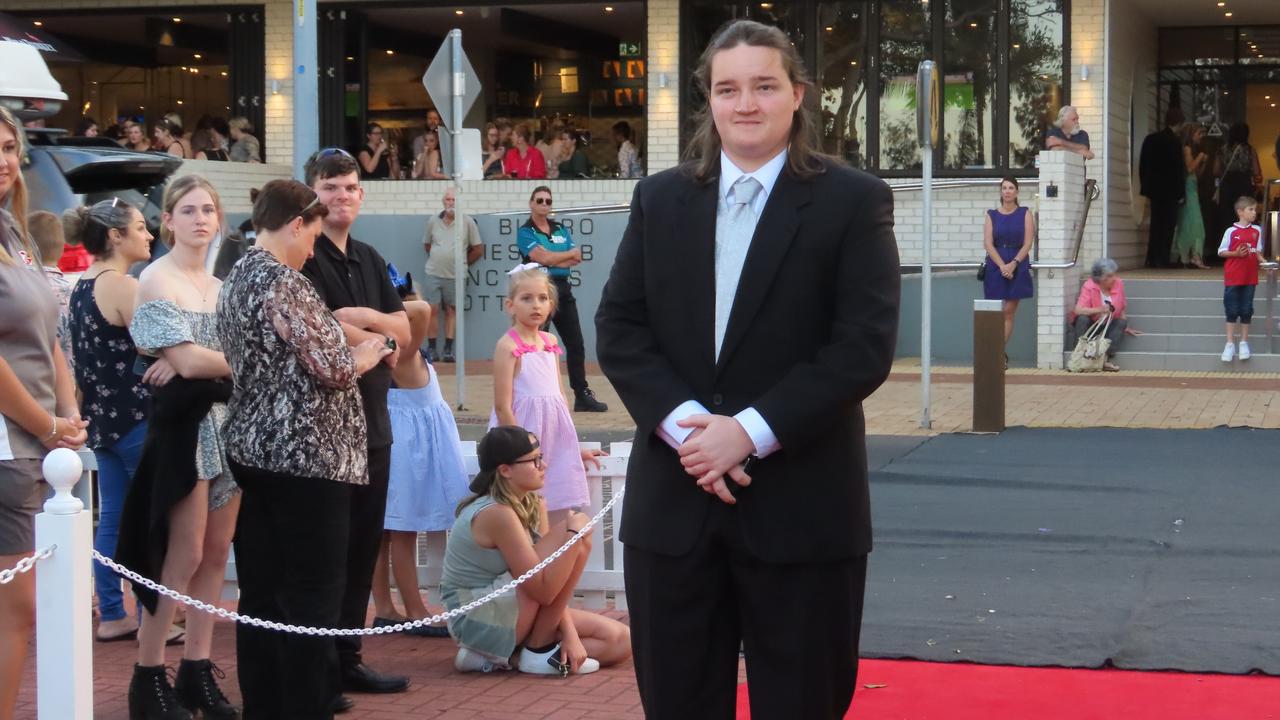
(750, 419)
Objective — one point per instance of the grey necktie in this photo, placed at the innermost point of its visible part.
(735, 226)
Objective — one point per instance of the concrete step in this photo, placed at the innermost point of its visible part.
(1188, 305)
(1136, 288)
(1184, 343)
(1196, 362)
(1193, 324)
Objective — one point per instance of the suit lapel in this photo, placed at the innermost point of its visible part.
(695, 232)
(773, 237)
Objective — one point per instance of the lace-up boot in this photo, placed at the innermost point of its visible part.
(151, 696)
(198, 690)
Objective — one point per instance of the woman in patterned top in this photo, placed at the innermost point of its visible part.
(296, 441)
(180, 512)
(114, 397)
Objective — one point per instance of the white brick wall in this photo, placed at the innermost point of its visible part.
(1056, 290)
(1132, 79)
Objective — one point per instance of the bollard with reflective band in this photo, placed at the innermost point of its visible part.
(988, 366)
(64, 597)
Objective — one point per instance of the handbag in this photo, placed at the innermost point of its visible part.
(982, 271)
(1090, 353)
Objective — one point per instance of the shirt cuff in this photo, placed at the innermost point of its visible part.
(761, 434)
(671, 433)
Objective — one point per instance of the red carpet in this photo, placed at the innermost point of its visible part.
(946, 691)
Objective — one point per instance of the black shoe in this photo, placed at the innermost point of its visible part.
(364, 679)
(342, 704)
(197, 689)
(585, 401)
(448, 356)
(151, 696)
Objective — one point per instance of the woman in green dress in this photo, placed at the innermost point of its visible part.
(1188, 238)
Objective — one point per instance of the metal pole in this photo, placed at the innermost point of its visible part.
(458, 90)
(306, 85)
(926, 292)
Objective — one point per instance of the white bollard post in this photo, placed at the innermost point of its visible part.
(64, 611)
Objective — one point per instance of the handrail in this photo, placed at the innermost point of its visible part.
(1091, 193)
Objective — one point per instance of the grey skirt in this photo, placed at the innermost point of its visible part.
(490, 628)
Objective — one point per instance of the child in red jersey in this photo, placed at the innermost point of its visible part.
(1242, 247)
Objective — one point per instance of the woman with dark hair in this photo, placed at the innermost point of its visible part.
(296, 441)
(377, 158)
(38, 410)
(1007, 235)
(114, 396)
(628, 156)
(574, 166)
(428, 165)
(1188, 236)
(218, 133)
(1241, 174)
(523, 161)
(87, 127)
(493, 152)
(168, 134)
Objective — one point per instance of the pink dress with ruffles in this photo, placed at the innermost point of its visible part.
(539, 407)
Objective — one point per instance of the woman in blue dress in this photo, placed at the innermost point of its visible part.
(1007, 236)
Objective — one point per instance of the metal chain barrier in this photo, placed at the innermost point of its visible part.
(332, 632)
(25, 564)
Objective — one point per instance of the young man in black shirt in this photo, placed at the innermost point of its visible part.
(351, 278)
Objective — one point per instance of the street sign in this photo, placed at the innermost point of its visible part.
(439, 82)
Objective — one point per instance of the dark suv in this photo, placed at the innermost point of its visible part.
(63, 172)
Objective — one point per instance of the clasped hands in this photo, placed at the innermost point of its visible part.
(715, 449)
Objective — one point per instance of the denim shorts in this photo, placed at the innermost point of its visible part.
(1238, 302)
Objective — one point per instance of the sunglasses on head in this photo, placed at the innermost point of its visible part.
(542, 201)
(314, 202)
(330, 152)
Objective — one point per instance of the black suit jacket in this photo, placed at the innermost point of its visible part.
(1161, 169)
(811, 334)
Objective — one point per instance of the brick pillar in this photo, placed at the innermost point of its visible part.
(1056, 289)
(662, 142)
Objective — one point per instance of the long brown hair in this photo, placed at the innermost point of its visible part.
(178, 189)
(18, 195)
(804, 159)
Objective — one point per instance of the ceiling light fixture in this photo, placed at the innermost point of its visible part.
(197, 56)
(608, 8)
(973, 25)
(224, 73)
(177, 19)
(457, 12)
(1227, 14)
(179, 102)
(38, 23)
(391, 52)
(830, 29)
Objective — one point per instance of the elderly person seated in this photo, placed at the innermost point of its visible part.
(1067, 135)
(1101, 294)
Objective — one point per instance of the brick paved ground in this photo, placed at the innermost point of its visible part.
(1033, 398)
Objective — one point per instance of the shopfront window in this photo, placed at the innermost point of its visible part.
(1002, 64)
(573, 74)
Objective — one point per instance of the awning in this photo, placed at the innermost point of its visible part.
(21, 30)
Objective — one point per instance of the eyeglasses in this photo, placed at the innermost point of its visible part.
(542, 201)
(330, 152)
(314, 202)
(537, 461)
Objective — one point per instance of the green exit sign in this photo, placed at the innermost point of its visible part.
(629, 50)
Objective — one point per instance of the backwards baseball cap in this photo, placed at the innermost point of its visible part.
(500, 446)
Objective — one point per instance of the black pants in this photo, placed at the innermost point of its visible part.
(368, 512)
(799, 626)
(1164, 219)
(570, 330)
(291, 558)
(1115, 331)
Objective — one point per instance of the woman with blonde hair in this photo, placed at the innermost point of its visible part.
(180, 513)
(38, 410)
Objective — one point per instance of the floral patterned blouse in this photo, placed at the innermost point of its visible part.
(114, 397)
(295, 409)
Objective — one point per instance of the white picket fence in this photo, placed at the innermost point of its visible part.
(601, 578)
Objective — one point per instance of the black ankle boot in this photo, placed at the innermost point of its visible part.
(151, 697)
(197, 689)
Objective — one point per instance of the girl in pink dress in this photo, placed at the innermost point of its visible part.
(528, 390)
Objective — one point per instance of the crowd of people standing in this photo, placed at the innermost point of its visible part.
(214, 138)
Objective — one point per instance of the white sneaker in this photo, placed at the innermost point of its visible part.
(1244, 350)
(548, 663)
(471, 661)
(1229, 352)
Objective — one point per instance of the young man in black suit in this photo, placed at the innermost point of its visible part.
(744, 366)
(1162, 174)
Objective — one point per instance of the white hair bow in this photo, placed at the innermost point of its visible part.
(522, 268)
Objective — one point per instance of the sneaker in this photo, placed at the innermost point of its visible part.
(448, 356)
(586, 401)
(1244, 350)
(1229, 352)
(471, 661)
(548, 663)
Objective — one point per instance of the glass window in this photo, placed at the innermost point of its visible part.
(1197, 46)
(904, 34)
(842, 65)
(1258, 45)
(1035, 76)
(971, 61)
(574, 75)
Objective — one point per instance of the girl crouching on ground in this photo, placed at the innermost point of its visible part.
(501, 532)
